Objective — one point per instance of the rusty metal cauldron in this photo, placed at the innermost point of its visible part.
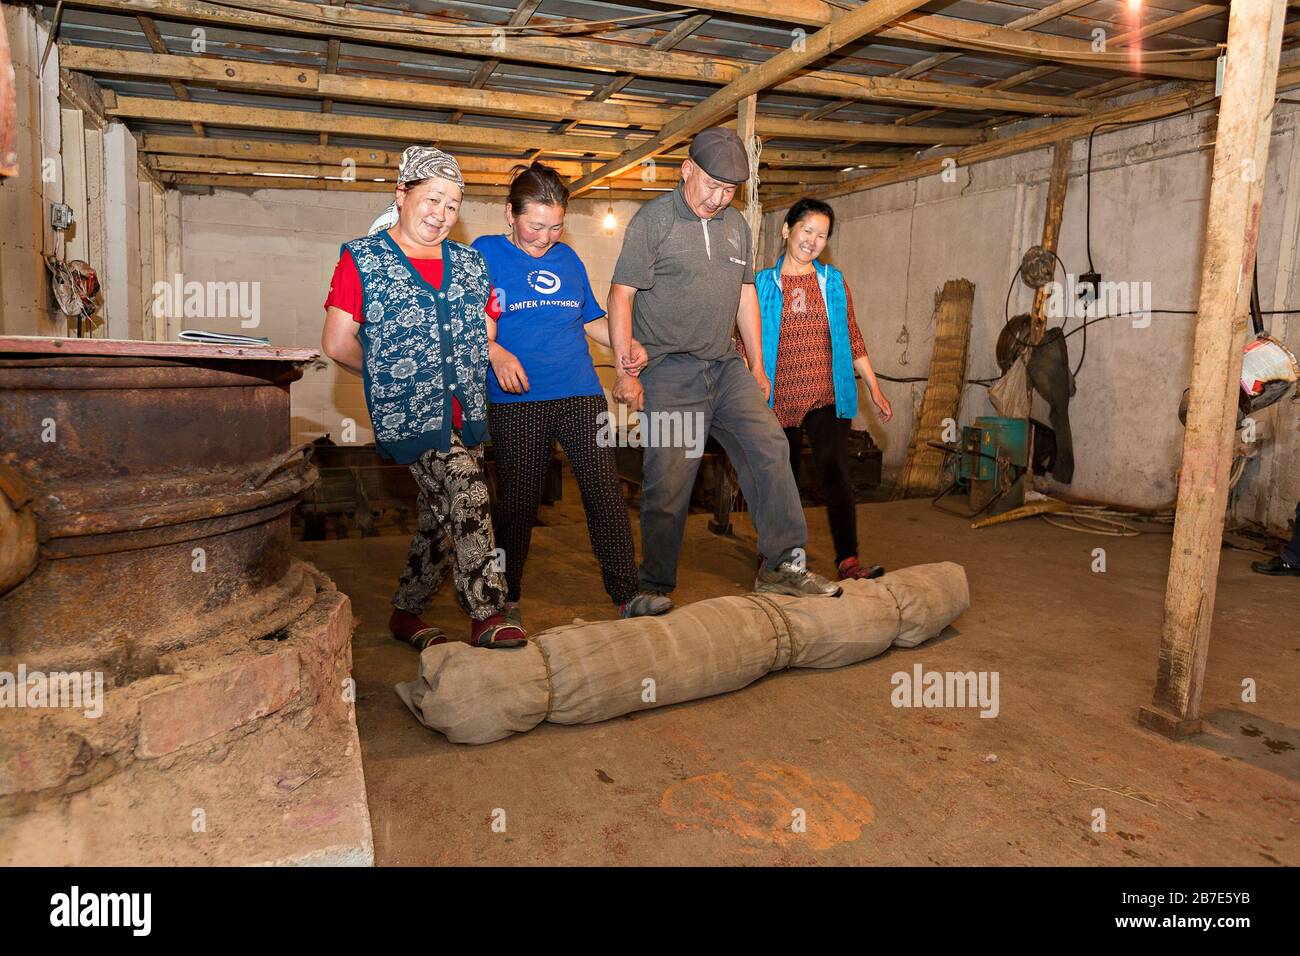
(145, 491)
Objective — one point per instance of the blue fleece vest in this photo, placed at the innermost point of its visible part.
(770, 304)
(421, 345)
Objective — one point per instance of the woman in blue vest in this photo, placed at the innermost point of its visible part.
(811, 347)
(407, 311)
(544, 389)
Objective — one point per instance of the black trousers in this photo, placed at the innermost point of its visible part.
(1291, 553)
(522, 434)
(829, 438)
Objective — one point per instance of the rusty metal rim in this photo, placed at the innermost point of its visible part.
(143, 517)
(36, 376)
(118, 541)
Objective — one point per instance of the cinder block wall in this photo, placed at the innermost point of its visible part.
(288, 241)
(1150, 184)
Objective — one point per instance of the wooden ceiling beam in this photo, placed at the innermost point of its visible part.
(304, 81)
(863, 20)
(1192, 97)
(523, 12)
(664, 175)
(233, 148)
(964, 35)
(335, 185)
(156, 42)
(1123, 41)
(583, 53)
(247, 76)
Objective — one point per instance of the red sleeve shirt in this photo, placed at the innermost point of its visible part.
(345, 295)
(345, 286)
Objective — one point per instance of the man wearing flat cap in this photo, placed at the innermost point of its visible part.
(683, 282)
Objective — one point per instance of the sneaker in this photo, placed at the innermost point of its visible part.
(1275, 566)
(646, 604)
(787, 580)
(850, 570)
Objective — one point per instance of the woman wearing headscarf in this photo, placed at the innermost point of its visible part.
(811, 348)
(406, 311)
(544, 389)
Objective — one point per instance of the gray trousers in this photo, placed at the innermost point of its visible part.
(726, 403)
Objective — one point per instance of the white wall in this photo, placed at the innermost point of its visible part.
(898, 244)
(120, 271)
(288, 240)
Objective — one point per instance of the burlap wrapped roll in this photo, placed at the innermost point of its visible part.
(609, 668)
(588, 672)
(475, 695)
(929, 598)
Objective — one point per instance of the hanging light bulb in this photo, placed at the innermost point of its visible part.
(610, 221)
(1135, 5)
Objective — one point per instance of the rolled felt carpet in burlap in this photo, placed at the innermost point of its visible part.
(586, 672)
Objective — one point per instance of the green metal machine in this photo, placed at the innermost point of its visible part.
(991, 464)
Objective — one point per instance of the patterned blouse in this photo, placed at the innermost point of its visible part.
(803, 355)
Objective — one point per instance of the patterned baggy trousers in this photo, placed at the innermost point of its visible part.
(453, 508)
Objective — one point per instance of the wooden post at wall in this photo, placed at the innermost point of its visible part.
(1231, 233)
(1056, 187)
(745, 123)
(1057, 183)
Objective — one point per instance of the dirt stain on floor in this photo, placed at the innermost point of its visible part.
(770, 803)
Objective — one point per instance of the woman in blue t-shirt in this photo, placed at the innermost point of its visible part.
(543, 389)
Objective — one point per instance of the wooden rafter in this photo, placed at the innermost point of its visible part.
(232, 148)
(666, 42)
(1147, 110)
(331, 66)
(588, 53)
(965, 35)
(521, 16)
(335, 185)
(276, 78)
(843, 31)
(156, 42)
(250, 76)
(1028, 22)
(1120, 42)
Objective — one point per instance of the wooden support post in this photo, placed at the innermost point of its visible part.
(1231, 233)
(1056, 188)
(753, 207)
(1057, 183)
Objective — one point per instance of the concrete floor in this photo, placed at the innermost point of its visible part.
(718, 781)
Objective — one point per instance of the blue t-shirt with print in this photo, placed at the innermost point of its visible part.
(544, 305)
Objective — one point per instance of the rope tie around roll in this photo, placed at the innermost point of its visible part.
(769, 607)
(550, 680)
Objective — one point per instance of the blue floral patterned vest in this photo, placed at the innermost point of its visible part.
(422, 345)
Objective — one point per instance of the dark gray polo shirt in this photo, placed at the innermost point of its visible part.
(687, 272)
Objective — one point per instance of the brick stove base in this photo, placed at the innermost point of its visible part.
(237, 752)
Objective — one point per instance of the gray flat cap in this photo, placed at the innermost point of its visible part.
(720, 153)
